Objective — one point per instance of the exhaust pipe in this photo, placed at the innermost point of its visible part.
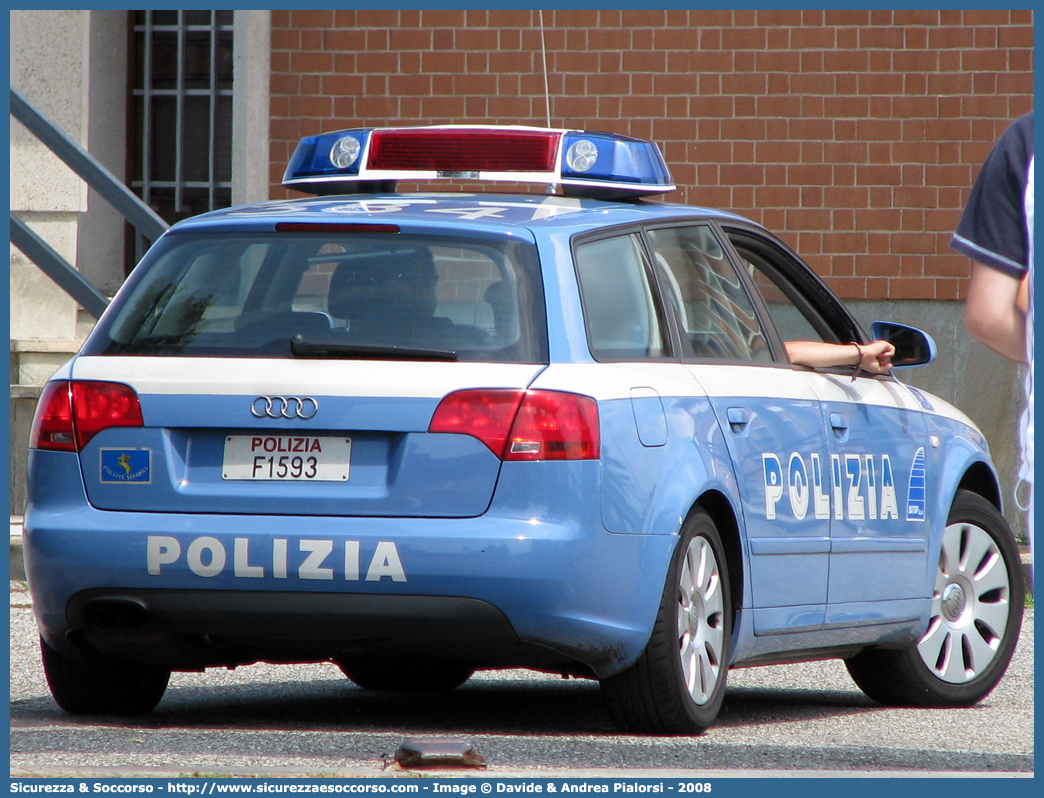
(112, 616)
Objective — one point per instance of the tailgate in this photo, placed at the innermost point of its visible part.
(292, 437)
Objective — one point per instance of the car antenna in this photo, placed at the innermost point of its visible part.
(552, 188)
(543, 53)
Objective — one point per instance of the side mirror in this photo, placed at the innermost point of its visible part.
(913, 347)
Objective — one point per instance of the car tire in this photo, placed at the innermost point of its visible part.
(976, 615)
(678, 683)
(407, 676)
(102, 685)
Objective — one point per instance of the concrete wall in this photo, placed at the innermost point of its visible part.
(76, 75)
(101, 234)
(51, 72)
(250, 105)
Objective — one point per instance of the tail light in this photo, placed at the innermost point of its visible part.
(555, 426)
(69, 414)
(523, 425)
(53, 424)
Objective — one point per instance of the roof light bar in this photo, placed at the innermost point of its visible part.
(374, 159)
(464, 150)
(601, 161)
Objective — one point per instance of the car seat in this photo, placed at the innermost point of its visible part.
(388, 298)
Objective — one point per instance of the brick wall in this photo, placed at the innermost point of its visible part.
(855, 135)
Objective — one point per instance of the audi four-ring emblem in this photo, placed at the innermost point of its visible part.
(284, 407)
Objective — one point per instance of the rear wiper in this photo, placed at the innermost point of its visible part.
(302, 347)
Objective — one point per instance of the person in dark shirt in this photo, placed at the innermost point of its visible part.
(996, 231)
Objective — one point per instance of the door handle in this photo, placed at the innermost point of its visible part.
(839, 424)
(738, 417)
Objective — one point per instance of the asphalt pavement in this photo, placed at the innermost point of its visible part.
(807, 720)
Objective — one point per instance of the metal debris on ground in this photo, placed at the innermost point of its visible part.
(440, 752)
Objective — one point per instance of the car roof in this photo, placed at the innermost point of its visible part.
(491, 212)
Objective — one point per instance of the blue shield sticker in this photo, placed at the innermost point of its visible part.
(126, 465)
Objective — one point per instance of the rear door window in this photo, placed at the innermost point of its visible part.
(716, 315)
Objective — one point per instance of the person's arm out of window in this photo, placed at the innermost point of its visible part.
(873, 358)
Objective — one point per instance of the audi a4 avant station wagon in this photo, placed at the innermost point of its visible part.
(423, 434)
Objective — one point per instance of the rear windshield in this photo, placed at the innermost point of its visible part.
(331, 295)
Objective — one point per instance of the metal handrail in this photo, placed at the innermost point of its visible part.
(57, 268)
(146, 221)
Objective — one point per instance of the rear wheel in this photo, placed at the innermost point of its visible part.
(678, 683)
(407, 675)
(975, 619)
(102, 685)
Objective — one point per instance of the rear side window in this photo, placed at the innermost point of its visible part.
(334, 295)
(622, 319)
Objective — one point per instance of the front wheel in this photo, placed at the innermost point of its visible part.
(678, 683)
(975, 619)
(102, 685)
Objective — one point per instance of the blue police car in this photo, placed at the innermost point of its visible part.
(423, 434)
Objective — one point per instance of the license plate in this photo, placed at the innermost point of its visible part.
(294, 458)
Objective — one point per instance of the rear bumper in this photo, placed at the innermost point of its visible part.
(529, 583)
(199, 628)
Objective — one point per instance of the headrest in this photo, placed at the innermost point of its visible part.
(360, 283)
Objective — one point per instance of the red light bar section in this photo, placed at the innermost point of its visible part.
(464, 150)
